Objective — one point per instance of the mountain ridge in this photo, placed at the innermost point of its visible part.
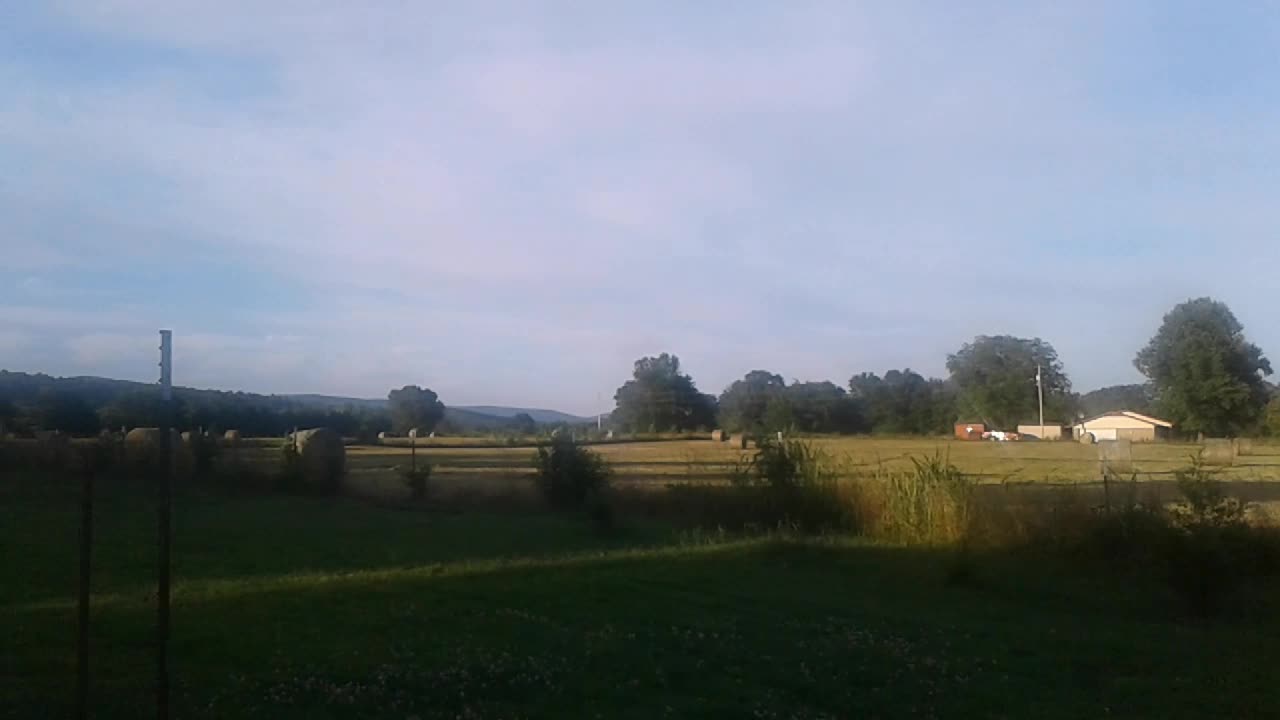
(19, 385)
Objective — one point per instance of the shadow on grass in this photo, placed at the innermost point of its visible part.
(770, 627)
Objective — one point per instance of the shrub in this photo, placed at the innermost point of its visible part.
(788, 465)
(417, 480)
(568, 473)
(1204, 504)
(789, 485)
(1213, 550)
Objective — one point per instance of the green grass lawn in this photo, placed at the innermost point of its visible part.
(316, 608)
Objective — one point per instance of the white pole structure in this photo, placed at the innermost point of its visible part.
(164, 511)
(1040, 394)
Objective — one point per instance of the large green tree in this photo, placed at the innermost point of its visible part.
(904, 402)
(1271, 421)
(762, 402)
(659, 397)
(995, 378)
(414, 407)
(1208, 377)
(824, 407)
(744, 404)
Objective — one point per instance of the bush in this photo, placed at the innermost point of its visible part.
(1213, 550)
(1204, 504)
(790, 485)
(788, 465)
(1201, 548)
(568, 473)
(417, 480)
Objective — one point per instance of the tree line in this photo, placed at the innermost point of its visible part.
(1202, 374)
(88, 405)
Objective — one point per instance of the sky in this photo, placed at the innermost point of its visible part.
(512, 202)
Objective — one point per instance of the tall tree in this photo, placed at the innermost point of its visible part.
(904, 402)
(414, 407)
(744, 403)
(1271, 420)
(824, 407)
(995, 378)
(1208, 377)
(658, 397)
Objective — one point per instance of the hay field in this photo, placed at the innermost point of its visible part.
(499, 470)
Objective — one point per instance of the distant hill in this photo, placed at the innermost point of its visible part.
(482, 417)
(538, 414)
(20, 388)
(1137, 398)
(337, 402)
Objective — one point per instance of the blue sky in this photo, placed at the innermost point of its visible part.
(512, 202)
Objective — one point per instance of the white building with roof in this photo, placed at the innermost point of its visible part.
(1123, 425)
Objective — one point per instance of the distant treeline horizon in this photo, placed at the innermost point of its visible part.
(1203, 375)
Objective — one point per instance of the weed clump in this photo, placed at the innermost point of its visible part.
(930, 504)
(417, 479)
(568, 474)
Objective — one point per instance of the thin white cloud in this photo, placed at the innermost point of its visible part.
(518, 200)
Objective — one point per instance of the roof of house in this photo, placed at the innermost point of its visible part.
(1131, 414)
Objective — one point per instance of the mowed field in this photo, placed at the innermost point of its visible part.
(502, 469)
(302, 607)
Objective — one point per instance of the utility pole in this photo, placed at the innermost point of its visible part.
(1040, 394)
(164, 512)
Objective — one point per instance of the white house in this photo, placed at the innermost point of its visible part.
(1123, 425)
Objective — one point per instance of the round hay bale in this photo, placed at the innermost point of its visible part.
(1086, 438)
(1244, 446)
(142, 451)
(717, 436)
(1218, 452)
(231, 438)
(739, 441)
(321, 457)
